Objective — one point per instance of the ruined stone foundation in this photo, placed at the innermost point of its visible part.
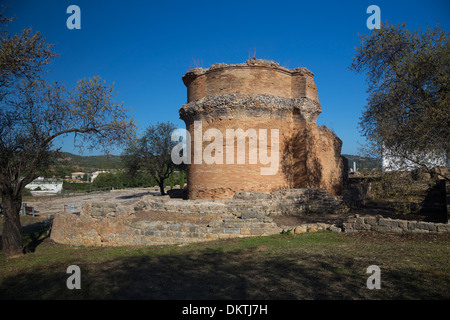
(251, 97)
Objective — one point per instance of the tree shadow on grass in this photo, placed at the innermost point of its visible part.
(214, 274)
(34, 234)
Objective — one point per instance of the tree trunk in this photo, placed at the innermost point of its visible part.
(161, 187)
(12, 229)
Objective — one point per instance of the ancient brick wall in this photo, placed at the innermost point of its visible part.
(260, 95)
(252, 77)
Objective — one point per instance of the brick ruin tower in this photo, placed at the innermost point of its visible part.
(255, 95)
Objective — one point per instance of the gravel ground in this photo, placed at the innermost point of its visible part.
(45, 206)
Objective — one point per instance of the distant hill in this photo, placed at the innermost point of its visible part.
(90, 162)
(115, 162)
(362, 162)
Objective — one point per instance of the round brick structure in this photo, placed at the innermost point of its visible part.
(251, 101)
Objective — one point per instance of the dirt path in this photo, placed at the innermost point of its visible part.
(51, 206)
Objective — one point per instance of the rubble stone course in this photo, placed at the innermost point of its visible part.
(246, 214)
(161, 220)
(388, 225)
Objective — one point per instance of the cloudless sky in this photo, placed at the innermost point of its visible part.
(145, 47)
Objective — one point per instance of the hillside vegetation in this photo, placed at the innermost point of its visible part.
(115, 162)
(93, 162)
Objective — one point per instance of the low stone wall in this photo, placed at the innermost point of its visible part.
(252, 204)
(387, 225)
(155, 220)
(246, 214)
(90, 230)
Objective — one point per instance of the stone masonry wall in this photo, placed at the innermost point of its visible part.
(110, 230)
(387, 225)
(156, 220)
(251, 204)
(246, 214)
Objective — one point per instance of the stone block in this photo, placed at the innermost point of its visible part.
(420, 231)
(402, 224)
(161, 234)
(387, 229)
(370, 220)
(301, 229)
(412, 225)
(248, 214)
(257, 231)
(334, 228)
(175, 227)
(347, 226)
(360, 220)
(211, 236)
(442, 227)
(360, 225)
(231, 230)
(388, 223)
(426, 226)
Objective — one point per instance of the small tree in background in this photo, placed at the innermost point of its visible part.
(108, 180)
(172, 180)
(182, 179)
(152, 153)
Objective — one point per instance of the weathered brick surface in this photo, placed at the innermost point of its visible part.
(254, 76)
(260, 95)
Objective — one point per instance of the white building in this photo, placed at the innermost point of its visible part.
(95, 174)
(77, 175)
(42, 186)
(396, 163)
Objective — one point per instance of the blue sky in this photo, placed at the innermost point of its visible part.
(145, 47)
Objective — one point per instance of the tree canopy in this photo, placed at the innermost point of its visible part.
(408, 73)
(152, 153)
(34, 112)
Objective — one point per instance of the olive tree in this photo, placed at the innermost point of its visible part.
(407, 116)
(33, 113)
(151, 153)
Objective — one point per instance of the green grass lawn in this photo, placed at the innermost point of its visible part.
(321, 265)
